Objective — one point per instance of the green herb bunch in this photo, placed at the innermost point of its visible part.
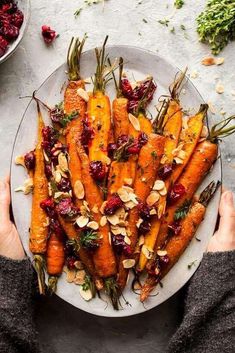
(216, 25)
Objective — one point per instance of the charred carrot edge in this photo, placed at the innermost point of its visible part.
(54, 260)
(177, 244)
(103, 258)
(171, 131)
(38, 230)
(148, 162)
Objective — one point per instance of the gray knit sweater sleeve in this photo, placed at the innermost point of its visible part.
(17, 329)
(209, 318)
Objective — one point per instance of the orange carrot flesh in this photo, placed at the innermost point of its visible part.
(119, 171)
(171, 132)
(55, 255)
(120, 117)
(104, 258)
(99, 115)
(177, 245)
(199, 165)
(145, 126)
(148, 162)
(38, 228)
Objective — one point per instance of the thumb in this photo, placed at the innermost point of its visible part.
(4, 202)
(227, 213)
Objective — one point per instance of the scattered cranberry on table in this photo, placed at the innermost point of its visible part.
(11, 19)
(49, 35)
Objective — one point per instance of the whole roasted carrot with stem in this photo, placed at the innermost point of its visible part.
(178, 243)
(148, 162)
(38, 227)
(75, 104)
(55, 259)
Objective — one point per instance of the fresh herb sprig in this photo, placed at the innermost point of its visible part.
(89, 239)
(182, 211)
(178, 4)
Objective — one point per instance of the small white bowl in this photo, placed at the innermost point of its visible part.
(24, 6)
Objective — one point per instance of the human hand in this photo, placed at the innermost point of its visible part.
(224, 237)
(10, 244)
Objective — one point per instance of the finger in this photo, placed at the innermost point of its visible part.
(227, 213)
(4, 202)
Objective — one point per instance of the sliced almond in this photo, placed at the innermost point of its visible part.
(141, 240)
(194, 74)
(46, 156)
(158, 185)
(138, 223)
(205, 131)
(182, 154)
(79, 265)
(103, 207)
(70, 275)
(103, 221)
(164, 159)
(128, 263)
(160, 211)
(178, 160)
(219, 61)
(95, 209)
(93, 225)
(82, 221)
(219, 88)
(161, 253)
(113, 219)
(208, 61)
(27, 188)
(134, 121)
(80, 277)
(127, 240)
(19, 160)
(148, 252)
(85, 294)
(57, 176)
(63, 163)
(128, 181)
(79, 190)
(152, 212)
(157, 271)
(163, 192)
(83, 94)
(59, 194)
(120, 213)
(110, 238)
(152, 198)
(130, 204)
(115, 230)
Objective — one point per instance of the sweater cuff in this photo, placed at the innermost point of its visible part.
(16, 279)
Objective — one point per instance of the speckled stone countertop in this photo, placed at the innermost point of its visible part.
(63, 328)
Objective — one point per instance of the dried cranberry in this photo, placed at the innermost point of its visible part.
(112, 147)
(126, 250)
(144, 211)
(144, 227)
(70, 262)
(152, 266)
(29, 160)
(174, 228)
(113, 204)
(69, 249)
(126, 88)
(145, 90)
(134, 148)
(132, 106)
(56, 228)
(58, 147)
(119, 243)
(164, 260)
(10, 32)
(165, 171)
(49, 207)
(3, 46)
(142, 139)
(5, 19)
(48, 34)
(122, 140)
(66, 208)
(48, 171)
(49, 134)
(64, 184)
(98, 170)
(87, 134)
(17, 18)
(10, 7)
(56, 114)
(177, 191)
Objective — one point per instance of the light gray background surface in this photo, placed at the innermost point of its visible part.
(63, 328)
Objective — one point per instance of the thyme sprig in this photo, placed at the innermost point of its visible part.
(182, 211)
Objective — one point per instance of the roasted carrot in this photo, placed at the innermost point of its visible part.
(148, 162)
(177, 244)
(54, 260)
(120, 117)
(38, 227)
(103, 258)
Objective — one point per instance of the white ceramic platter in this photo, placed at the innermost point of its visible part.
(139, 63)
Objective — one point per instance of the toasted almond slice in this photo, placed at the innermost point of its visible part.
(79, 190)
(181, 154)
(85, 294)
(46, 157)
(161, 252)
(128, 263)
(204, 132)
(80, 277)
(93, 225)
(158, 185)
(110, 238)
(87, 80)
(79, 265)
(114, 220)
(128, 181)
(141, 240)
(63, 163)
(115, 230)
(219, 61)
(103, 207)
(178, 160)
(160, 211)
(120, 213)
(153, 211)
(127, 240)
(83, 94)
(138, 223)
(57, 176)
(157, 271)
(134, 121)
(194, 74)
(124, 196)
(208, 61)
(164, 159)
(103, 221)
(61, 171)
(148, 252)
(70, 275)
(59, 194)
(27, 188)
(152, 198)
(95, 209)
(219, 88)
(19, 160)
(130, 205)
(82, 221)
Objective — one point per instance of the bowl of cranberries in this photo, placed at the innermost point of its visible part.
(14, 16)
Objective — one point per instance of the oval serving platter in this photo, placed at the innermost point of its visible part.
(139, 63)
